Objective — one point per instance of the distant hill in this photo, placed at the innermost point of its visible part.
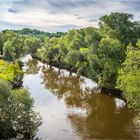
(38, 33)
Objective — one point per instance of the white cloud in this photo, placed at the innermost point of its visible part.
(57, 15)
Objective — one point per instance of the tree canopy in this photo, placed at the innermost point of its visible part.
(129, 76)
(16, 113)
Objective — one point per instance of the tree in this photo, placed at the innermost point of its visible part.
(6, 128)
(129, 76)
(75, 39)
(17, 44)
(31, 44)
(26, 120)
(109, 58)
(92, 37)
(16, 113)
(12, 73)
(1, 43)
(51, 55)
(11, 45)
(71, 59)
(62, 52)
(122, 23)
(8, 51)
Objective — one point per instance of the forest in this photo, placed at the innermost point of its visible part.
(109, 55)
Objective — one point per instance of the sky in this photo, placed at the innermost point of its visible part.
(61, 15)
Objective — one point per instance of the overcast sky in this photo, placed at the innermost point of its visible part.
(60, 15)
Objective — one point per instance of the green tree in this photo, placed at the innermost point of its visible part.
(31, 44)
(26, 120)
(17, 44)
(92, 37)
(110, 56)
(8, 51)
(1, 43)
(9, 71)
(11, 45)
(6, 128)
(16, 113)
(129, 76)
(72, 59)
(122, 23)
(62, 52)
(51, 55)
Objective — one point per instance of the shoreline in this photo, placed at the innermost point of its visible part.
(109, 92)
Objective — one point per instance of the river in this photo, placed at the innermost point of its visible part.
(71, 110)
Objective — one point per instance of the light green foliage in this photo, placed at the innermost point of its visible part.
(51, 54)
(8, 35)
(104, 61)
(11, 45)
(19, 63)
(92, 37)
(42, 53)
(17, 44)
(129, 76)
(72, 58)
(111, 55)
(10, 72)
(9, 51)
(31, 44)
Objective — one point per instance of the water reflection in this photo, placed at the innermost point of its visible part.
(32, 66)
(92, 116)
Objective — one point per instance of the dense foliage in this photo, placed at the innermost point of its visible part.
(16, 113)
(10, 72)
(16, 106)
(129, 76)
(123, 25)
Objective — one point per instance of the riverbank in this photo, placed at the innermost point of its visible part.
(110, 92)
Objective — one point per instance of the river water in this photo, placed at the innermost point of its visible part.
(71, 110)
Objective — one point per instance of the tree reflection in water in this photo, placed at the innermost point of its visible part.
(99, 117)
(33, 66)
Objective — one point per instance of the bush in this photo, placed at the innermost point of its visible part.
(129, 77)
(16, 113)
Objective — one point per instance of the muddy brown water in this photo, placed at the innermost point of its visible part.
(70, 109)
